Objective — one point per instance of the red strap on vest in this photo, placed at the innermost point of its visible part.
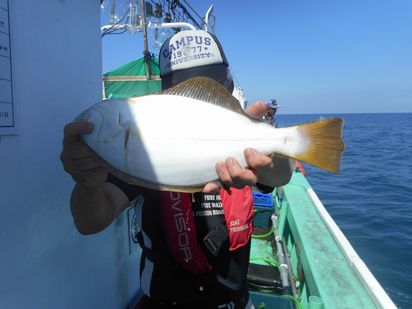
(180, 231)
(238, 208)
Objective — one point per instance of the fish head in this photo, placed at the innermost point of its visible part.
(110, 120)
(114, 136)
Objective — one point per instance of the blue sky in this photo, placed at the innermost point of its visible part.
(312, 56)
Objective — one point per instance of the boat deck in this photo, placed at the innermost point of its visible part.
(321, 268)
(327, 272)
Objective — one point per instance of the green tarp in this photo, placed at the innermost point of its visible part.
(126, 84)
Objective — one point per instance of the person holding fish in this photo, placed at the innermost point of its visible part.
(195, 179)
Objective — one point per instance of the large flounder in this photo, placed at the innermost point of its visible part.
(172, 140)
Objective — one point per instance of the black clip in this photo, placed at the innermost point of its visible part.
(215, 239)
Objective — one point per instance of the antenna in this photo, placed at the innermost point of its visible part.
(132, 16)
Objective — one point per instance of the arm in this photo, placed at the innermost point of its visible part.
(94, 203)
(95, 208)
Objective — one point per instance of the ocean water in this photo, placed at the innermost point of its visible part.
(371, 198)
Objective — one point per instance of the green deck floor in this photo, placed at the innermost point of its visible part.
(327, 273)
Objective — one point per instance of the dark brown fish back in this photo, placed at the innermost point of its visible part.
(207, 90)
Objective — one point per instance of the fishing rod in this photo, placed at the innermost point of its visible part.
(284, 275)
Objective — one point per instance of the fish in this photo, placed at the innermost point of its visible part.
(172, 140)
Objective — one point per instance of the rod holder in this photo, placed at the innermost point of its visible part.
(315, 302)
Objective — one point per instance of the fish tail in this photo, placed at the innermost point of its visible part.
(325, 145)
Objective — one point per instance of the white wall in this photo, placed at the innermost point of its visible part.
(44, 262)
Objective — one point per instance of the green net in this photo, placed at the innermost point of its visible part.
(125, 86)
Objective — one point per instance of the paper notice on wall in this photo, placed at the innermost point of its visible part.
(6, 93)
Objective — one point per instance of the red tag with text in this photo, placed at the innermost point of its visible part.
(238, 209)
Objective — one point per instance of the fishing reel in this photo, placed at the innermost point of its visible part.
(271, 107)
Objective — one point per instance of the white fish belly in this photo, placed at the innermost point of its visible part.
(176, 141)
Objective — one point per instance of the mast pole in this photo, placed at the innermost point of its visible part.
(145, 45)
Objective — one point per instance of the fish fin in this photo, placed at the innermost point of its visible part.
(207, 90)
(325, 143)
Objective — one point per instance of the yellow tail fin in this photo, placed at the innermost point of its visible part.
(325, 143)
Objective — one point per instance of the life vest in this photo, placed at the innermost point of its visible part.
(223, 216)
